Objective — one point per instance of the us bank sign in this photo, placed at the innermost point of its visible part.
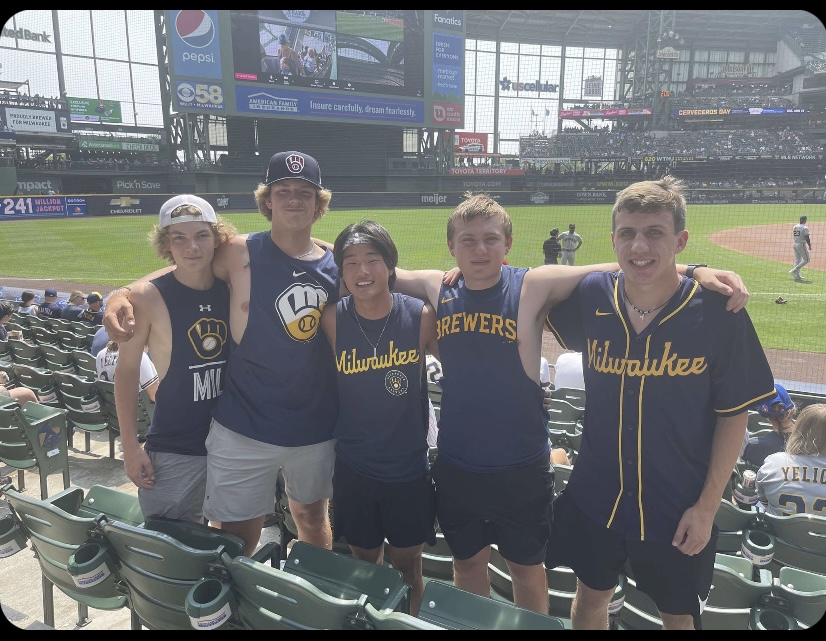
(508, 85)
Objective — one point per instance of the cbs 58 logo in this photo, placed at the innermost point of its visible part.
(200, 93)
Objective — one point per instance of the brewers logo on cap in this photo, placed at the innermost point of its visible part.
(295, 163)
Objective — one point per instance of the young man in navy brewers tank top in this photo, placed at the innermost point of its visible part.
(183, 316)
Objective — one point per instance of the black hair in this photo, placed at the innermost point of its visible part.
(803, 219)
(375, 235)
(5, 310)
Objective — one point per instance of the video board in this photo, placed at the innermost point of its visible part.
(399, 67)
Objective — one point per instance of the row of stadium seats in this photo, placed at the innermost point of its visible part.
(174, 575)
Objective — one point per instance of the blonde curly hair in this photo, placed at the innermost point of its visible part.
(223, 230)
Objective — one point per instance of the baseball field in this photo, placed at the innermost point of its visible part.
(753, 240)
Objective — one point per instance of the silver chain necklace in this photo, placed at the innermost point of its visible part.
(645, 312)
(312, 249)
(375, 347)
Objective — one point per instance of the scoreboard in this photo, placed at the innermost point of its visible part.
(391, 67)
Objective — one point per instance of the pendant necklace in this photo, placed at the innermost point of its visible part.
(375, 347)
(644, 312)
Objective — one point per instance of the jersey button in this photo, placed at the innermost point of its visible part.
(630, 492)
(638, 339)
(630, 461)
(630, 391)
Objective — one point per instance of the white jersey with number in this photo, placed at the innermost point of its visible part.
(793, 484)
(800, 233)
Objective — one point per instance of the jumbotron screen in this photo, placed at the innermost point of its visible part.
(402, 67)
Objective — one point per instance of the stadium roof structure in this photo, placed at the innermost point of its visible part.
(733, 30)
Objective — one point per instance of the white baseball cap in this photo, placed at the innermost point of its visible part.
(166, 218)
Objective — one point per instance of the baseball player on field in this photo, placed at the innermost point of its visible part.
(794, 481)
(571, 242)
(801, 245)
(669, 376)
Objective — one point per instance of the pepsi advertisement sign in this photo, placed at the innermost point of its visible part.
(196, 50)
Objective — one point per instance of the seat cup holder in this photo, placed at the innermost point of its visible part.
(90, 565)
(209, 604)
(758, 546)
(12, 539)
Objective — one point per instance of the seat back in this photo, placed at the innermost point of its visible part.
(437, 560)
(58, 360)
(85, 363)
(806, 591)
(71, 341)
(391, 620)
(561, 475)
(68, 383)
(434, 392)
(41, 381)
(106, 391)
(43, 335)
(270, 599)
(158, 570)
(35, 435)
(734, 593)
(6, 355)
(57, 529)
(757, 423)
(25, 353)
(346, 577)
(572, 395)
(800, 541)
(731, 522)
(449, 607)
(562, 410)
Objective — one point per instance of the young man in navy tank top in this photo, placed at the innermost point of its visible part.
(280, 402)
(381, 486)
(494, 482)
(183, 316)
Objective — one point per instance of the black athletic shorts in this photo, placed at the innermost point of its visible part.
(508, 508)
(367, 511)
(676, 582)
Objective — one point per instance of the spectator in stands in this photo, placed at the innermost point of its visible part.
(551, 248)
(289, 58)
(790, 481)
(6, 310)
(50, 308)
(21, 394)
(74, 306)
(107, 360)
(27, 304)
(92, 314)
(568, 371)
(650, 475)
(99, 341)
(781, 412)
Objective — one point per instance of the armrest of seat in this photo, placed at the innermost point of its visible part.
(196, 535)
(116, 505)
(68, 500)
(268, 552)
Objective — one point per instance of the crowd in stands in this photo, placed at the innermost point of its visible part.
(624, 144)
(25, 100)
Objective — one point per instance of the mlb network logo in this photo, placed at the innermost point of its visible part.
(196, 43)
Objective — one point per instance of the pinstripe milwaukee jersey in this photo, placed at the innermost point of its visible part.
(653, 399)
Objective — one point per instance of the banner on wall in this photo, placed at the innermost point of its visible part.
(94, 110)
(21, 119)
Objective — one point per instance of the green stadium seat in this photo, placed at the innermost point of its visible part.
(158, 570)
(449, 607)
(734, 593)
(44, 336)
(806, 591)
(57, 359)
(85, 363)
(41, 381)
(562, 410)
(6, 355)
(71, 341)
(106, 392)
(26, 353)
(437, 560)
(35, 436)
(800, 541)
(572, 395)
(59, 530)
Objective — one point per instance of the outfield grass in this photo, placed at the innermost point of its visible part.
(112, 251)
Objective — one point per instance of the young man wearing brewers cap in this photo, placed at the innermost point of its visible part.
(50, 308)
(183, 317)
(280, 399)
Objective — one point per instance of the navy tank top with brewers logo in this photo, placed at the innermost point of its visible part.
(491, 411)
(280, 382)
(200, 347)
(381, 430)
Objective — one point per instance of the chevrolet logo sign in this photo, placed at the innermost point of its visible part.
(125, 201)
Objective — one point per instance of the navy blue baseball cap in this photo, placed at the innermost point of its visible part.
(50, 292)
(778, 405)
(293, 164)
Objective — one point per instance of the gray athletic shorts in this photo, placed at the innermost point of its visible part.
(180, 484)
(242, 473)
